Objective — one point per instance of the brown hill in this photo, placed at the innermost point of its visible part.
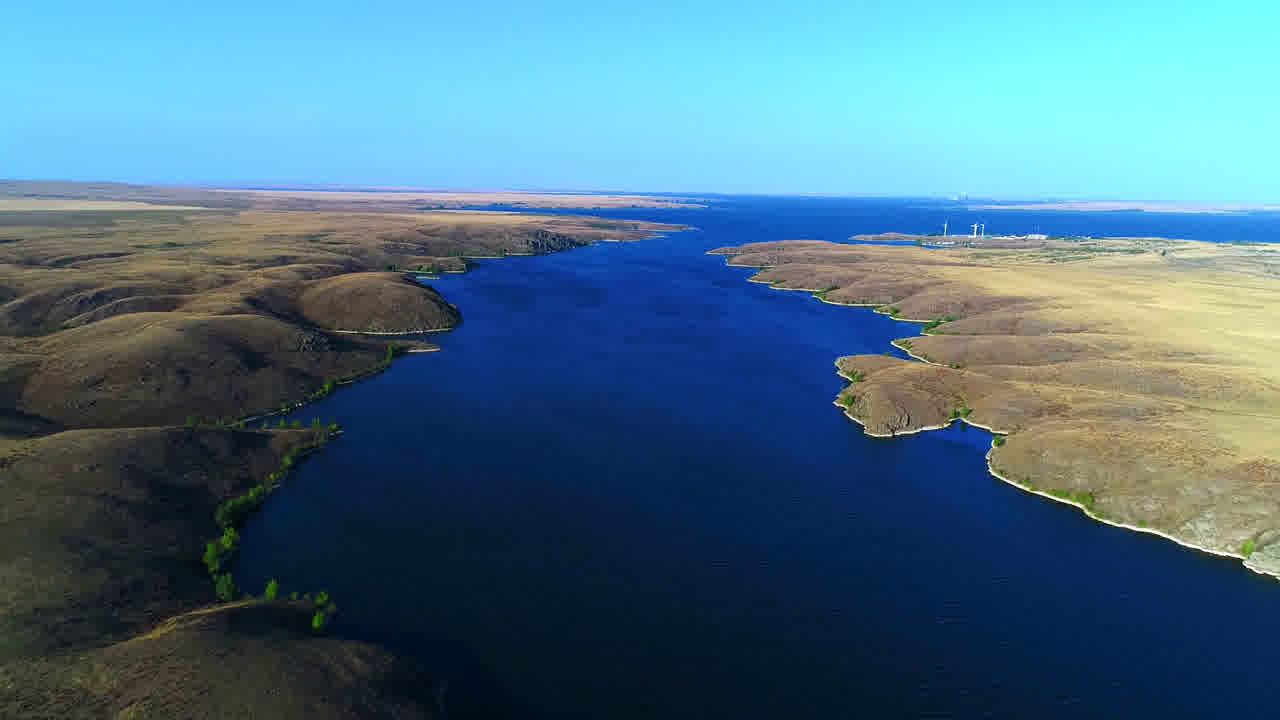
(161, 368)
(375, 303)
(103, 529)
(242, 660)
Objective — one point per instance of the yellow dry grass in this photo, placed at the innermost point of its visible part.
(1141, 375)
(454, 198)
(18, 204)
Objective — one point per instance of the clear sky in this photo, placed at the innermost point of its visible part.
(1087, 98)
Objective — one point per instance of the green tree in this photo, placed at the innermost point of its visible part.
(230, 539)
(320, 621)
(322, 598)
(225, 587)
(212, 558)
(273, 589)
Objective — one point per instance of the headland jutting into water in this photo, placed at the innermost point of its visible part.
(1133, 378)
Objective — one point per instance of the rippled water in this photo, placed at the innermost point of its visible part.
(621, 490)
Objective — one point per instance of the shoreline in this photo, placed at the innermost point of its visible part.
(391, 332)
(1243, 560)
(1114, 523)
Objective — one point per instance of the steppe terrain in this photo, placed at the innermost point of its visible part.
(1136, 378)
(145, 333)
(27, 194)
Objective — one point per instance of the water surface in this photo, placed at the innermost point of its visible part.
(621, 490)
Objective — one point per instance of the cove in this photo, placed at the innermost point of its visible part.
(621, 490)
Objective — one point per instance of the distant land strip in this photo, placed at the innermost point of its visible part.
(1126, 206)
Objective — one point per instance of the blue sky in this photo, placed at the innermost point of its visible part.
(1116, 99)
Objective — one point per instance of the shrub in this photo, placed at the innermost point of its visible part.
(296, 424)
(212, 558)
(997, 441)
(320, 621)
(322, 598)
(230, 540)
(193, 421)
(293, 596)
(1248, 547)
(233, 512)
(1085, 499)
(856, 377)
(225, 587)
(272, 590)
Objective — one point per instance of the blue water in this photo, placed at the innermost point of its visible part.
(621, 490)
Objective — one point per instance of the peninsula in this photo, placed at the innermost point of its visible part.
(1135, 378)
(145, 332)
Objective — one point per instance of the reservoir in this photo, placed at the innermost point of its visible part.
(621, 490)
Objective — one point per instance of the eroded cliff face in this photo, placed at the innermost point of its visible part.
(1135, 379)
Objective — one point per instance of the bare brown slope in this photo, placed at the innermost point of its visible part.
(102, 529)
(1136, 378)
(243, 660)
(375, 303)
(160, 368)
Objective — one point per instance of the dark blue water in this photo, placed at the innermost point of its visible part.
(621, 490)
